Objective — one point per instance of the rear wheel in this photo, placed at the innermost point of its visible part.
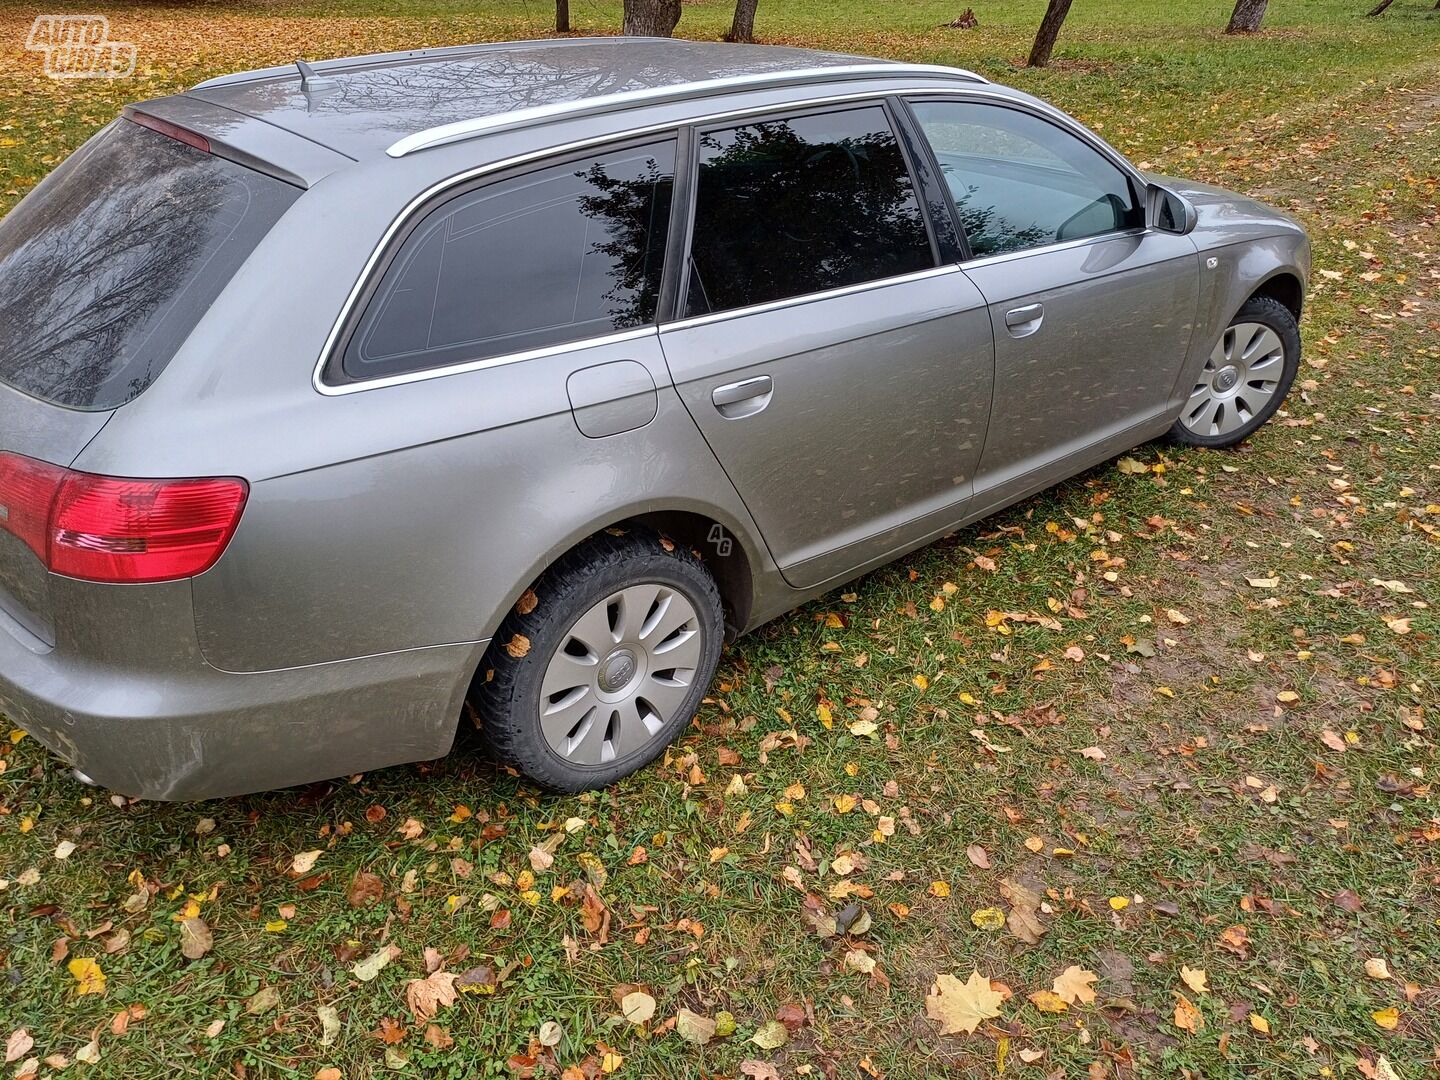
(1245, 378)
(603, 663)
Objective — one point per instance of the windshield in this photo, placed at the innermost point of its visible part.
(109, 263)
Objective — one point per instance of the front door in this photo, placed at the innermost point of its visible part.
(840, 375)
(1092, 313)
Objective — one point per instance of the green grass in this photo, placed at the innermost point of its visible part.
(1330, 115)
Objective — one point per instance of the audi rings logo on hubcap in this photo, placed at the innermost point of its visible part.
(1226, 379)
(617, 671)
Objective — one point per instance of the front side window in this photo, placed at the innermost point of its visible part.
(561, 254)
(1021, 182)
(800, 205)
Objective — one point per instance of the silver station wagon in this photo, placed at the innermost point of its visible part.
(333, 396)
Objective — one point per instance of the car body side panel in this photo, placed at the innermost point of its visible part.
(1114, 329)
(1248, 243)
(876, 419)
(427, 545)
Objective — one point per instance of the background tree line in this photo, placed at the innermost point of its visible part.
(658, 18)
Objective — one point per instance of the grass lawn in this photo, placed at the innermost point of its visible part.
(1175, 721)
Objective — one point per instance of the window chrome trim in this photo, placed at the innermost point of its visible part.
(464, 129)
(1025, 253)
(421, 374)
(425, 198)
(809, 298)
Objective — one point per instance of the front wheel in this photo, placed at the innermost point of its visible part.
(603, 663)
(1245, 379)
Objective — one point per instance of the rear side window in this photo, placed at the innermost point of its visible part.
(107, 266)
(801, 205)
(561, 254)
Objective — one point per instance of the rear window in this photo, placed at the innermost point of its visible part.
(108, 265)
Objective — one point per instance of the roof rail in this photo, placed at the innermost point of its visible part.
(465, 129)
(351, 63)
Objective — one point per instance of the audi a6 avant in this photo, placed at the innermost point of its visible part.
(334, 395)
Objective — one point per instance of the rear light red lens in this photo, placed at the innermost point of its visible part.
(27, 491)
(102, 528)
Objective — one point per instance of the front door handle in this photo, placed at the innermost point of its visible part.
(1022, 321)
(737, 400)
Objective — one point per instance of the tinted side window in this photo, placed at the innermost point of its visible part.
(1021, 182)
(564, 253)
(799, 205)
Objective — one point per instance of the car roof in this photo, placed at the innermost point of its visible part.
(399, 102)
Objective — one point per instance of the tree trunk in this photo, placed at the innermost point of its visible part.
(1055, 14)
(651, 18)
(1379, 9)
(562, 16)
(742, 27)
(1245, 19)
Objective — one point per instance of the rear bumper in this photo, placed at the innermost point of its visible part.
(198, 733)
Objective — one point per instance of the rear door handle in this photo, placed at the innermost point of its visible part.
(1024, 320)
(736, 400)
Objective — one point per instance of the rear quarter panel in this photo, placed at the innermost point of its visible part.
(396, 517)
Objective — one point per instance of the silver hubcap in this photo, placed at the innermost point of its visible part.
(1239, 380)
(620, 675)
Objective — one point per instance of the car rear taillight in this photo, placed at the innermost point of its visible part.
(103, 528)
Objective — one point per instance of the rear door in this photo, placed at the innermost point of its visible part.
(840, 373)
(1092, 313)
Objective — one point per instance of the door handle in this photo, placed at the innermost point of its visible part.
(1024, 320)
(736, 400)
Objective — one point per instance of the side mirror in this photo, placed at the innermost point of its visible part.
(1168, 212)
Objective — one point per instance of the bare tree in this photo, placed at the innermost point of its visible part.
(562, 16)
(651, 18)
(1049, 30)
(1245, 19)
(742, 27)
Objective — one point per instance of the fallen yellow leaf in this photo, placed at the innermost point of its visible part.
(1073, 985)
(1048, 1001)
(988, 918)
(961, 1006)
(1187, 1016)
(89, 979)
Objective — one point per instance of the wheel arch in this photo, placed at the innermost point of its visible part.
(723, 545)
(1285, 287)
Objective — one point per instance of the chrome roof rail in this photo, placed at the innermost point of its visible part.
(465, 129)
(367, 60)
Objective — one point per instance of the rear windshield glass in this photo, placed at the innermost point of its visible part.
(107, 266)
